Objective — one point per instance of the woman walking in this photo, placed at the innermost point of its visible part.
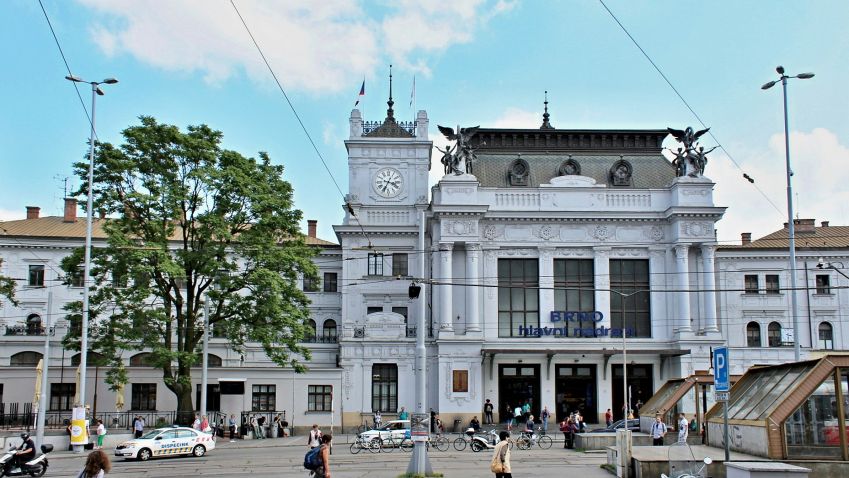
(101, 434)
(323, 471)
(97, 465)
(500, 464)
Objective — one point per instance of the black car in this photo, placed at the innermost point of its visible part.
(633, 425)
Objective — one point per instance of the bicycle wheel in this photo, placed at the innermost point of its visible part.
(460, 444)
(388, 445)
(523, 443)
(545, 442)
(374, 445)
(406, 444)
(441, 443)
(356, 447)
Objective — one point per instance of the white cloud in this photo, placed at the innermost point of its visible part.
(518, 118)
(312, 46)
(9, 215)
(818, 160)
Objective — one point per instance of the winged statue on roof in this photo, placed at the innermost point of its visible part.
(690, 160)
(460, 160)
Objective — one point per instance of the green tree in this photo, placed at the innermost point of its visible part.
(7, 287)
(188, 220)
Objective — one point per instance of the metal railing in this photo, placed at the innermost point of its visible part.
(408, 126)
(26, 329)
(23, 416)
(268, 423)
(312, 339)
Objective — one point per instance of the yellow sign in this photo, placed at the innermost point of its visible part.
(79, 427)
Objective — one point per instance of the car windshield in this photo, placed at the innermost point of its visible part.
(151, 435)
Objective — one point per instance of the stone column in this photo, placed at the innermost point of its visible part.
(473, 292)
(446, 299)
(711, 324)
(546, 284)
(490, 293)
(682, 253)
(601, 268)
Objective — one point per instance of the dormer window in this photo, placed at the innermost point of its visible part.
(519, 172)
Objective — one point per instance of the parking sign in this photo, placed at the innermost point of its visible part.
(720, 369)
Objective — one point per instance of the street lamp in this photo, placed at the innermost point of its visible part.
(95, 91)
(791, 229)
(821, 264)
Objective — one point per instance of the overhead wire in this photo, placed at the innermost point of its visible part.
(746, 176)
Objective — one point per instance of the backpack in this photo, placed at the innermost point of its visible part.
(312, 460)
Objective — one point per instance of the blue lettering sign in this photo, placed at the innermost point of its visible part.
(571, 316)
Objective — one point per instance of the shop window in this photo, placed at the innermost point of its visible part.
(823, 284)
(375, 264)
(518, 296)
(319, 398)
(628, 307)
(774, 334)
(574, 288)
(772, 286)
(384, 387)
(264, 398)
(460, 381)
(25, 359)
(329, 329)
(826, 336)
(143, 396)
(399, 265)
(36, 276)
(62, 396)
(753, 334)
(330, 282)
(750, 282)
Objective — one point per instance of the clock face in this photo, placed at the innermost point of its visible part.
(388, 182)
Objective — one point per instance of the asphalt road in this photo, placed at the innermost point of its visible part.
(276, 458)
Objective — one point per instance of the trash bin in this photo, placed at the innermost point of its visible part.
(457, 425)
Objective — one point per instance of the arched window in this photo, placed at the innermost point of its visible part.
(94, 359)
(141, 360)
(774, 334)
(25, 359)
(753, 334)
(311, 328)
(329, 328)
(213, 361)
(826, 335)
(34, 325)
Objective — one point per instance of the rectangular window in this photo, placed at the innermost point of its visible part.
(76, 278)
(372, 310)
(823, 284)
(330, 282)
(402, 311)
(399, 265)
(751, 283)
(143, 396)
(772, 284)
(264, 398)
(36, 276)
(630, 303)
(460, 381)
(62, 395)
(384, 388)
(310, 284)
(574, 288)
(518, 296)
(375, 264)
(319, 398)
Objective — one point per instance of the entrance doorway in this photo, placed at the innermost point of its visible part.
(518, 384)
(213, 397)
(640, 384)
(575, 389)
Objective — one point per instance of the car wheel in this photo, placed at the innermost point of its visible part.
(144, 454)
(199, 451)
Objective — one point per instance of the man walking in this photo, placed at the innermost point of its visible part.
(608, 417)
(231, 423)
(658, 431)
(139, 426)
(683, 428)
(544, 416)
(487, 412)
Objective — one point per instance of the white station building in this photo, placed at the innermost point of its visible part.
(536, 262)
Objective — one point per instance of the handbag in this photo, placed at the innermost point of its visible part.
(496, 466)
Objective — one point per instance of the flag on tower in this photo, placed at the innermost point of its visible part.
(362, 93)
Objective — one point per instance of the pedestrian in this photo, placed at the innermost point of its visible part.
(378, 419)
(608, 417)
(509, 415)
(440, 427)
(231, 424)
(517, 416)
(475, 424)
(196, 422)
(683, 428)
(544, 416)
(97, 465)
(529, 425)
(314, 438)
(432, 421)
(101, 434)
(323, 471)
(68, 432)
(500, 464)
(526, 409)
(403, 415)
(487, 412)
(204, 424)
(658, 431)
(139, 426)
(566, 429)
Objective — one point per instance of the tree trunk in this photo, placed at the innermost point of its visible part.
(185, 407)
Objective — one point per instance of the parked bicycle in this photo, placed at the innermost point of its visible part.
(439, 442)
(461, 442)
(528, 440)
(362, 443)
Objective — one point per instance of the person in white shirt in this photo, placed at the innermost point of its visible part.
(101, 434)
(314, 439)
(683, 428)
(378, 419)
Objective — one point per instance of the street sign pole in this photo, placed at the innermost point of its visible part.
(721, 384)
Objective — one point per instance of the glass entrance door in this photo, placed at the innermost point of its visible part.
(518, 384)
(576, 390)
(640, 383)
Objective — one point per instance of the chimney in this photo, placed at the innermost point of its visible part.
(70, 210)
(312, 224)
(825, 224)
(805, 225)
(746, 238)
(32, 212)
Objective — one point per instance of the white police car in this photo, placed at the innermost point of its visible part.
(397, 430)
(170, 441)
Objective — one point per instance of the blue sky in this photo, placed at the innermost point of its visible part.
(475, 62)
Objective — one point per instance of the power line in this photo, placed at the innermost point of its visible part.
(681, 97)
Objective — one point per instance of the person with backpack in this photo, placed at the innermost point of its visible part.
(658, 430)
(317, 460)
(500, 464)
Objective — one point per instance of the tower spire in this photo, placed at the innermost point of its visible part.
(545, 115)
(390, 113)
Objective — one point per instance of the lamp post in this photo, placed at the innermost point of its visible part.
(95, 91)
(791, 229)
(821, 264)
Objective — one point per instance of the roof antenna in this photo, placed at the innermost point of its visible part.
(390, 113)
